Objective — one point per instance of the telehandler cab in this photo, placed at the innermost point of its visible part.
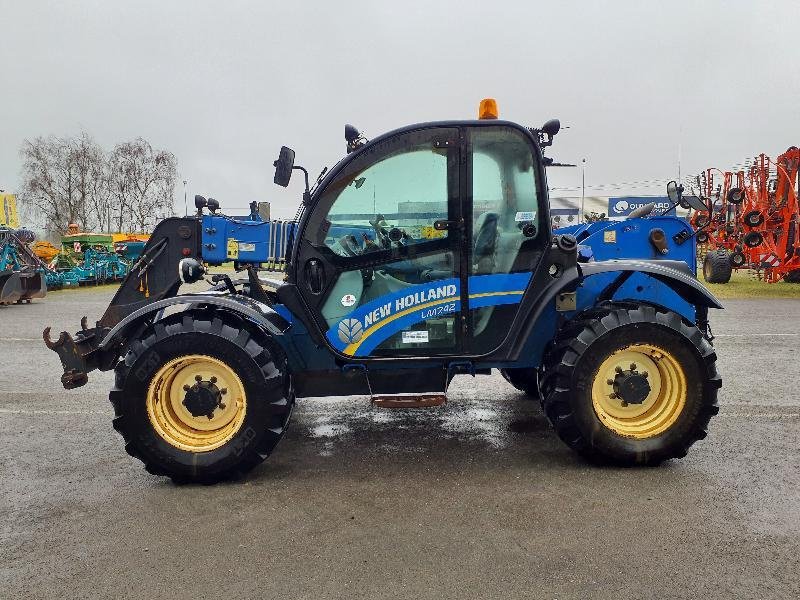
(423, 254)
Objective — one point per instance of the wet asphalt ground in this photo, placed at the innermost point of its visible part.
(474, 499)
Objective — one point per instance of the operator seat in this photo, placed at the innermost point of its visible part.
(483, 254)
(484, 257)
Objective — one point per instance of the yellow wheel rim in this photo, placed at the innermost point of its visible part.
(196, 403)
(661, 406)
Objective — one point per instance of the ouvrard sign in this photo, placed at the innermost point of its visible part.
(622, 206)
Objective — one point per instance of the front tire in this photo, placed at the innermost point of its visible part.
(201, 397)
(600, 361)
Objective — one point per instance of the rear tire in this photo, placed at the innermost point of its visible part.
(525, 380)
(717, 267)
(253, 414)
(576, 368)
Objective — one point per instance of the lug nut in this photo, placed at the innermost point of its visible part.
(186, 388)
(633, 366)
(645, 374)
(618, 370)
(213, 379)
(198, 378)
(221, 406)
(223, 391)
(610, 381)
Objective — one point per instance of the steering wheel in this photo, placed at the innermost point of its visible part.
(380, 231)
(350, 245)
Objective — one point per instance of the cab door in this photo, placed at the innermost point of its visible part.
(505, 207)
(380, 257)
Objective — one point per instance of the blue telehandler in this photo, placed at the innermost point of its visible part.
(422, 254)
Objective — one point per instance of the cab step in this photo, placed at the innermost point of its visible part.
(409, 400)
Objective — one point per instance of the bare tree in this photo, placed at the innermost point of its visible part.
(143, 182)
(96, 185)
(55, 177)
(73, 180)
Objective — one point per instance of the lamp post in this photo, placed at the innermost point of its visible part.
(582, 216)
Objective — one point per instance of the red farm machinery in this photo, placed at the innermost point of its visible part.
(755, 221)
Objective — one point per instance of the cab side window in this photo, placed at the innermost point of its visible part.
(395, 287)
(505, 203)
(395, 200)
(505, 227)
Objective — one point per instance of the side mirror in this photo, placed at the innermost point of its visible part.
(552, 127)
(674, 192)
(694, 203)
(283, 166)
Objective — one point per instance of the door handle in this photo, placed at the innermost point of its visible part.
(315, 276)
(444, 224)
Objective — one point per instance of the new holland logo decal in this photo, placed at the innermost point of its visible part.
(350, 331)
(372, 323)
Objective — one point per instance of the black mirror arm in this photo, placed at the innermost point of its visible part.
(307, 192)
(674, 205)
(694, 233)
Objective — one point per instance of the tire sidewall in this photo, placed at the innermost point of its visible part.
(669, 442)
(247, 439)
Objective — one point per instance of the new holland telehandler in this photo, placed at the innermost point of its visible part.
(422, 254)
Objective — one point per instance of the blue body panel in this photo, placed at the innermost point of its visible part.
(257, 241)
(628, 239)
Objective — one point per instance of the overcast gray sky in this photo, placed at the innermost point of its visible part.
(224, 84)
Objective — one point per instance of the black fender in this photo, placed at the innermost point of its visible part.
(83, 354)
(252, 310)
(675, 274)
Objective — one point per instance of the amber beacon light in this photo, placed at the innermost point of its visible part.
(488, 109)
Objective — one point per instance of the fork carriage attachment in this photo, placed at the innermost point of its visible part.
(153, 277)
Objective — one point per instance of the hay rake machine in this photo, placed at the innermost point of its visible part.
(755, 224)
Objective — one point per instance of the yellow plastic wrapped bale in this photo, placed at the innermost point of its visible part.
(45, 250)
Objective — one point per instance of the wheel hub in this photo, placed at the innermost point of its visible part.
(630, 386)
(196, 402)
(639, 391)
(204, 397)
